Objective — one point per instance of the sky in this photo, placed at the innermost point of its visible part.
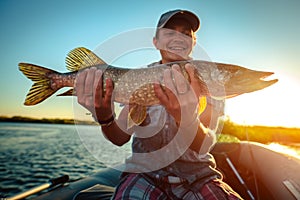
(259, 34)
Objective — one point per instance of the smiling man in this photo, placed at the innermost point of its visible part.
(170, 148)
(176, 38)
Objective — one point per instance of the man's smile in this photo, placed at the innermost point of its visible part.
(176, 49)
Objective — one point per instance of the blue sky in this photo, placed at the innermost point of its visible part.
(261, 35)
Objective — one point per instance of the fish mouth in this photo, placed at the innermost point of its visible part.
(267, 76)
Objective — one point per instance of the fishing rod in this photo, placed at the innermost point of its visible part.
(52, 182)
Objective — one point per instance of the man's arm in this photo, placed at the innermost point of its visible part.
(117, 132)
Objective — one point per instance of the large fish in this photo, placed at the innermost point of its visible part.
(135, 86)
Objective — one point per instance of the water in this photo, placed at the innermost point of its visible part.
(31, 154)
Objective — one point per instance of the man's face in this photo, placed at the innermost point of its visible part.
(175, 41)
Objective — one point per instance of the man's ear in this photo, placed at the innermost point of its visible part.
(155, 42)
(194, 42)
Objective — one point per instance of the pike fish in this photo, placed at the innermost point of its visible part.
(135, 86)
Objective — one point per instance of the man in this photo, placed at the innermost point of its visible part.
(170, 148)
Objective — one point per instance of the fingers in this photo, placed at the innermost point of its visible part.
(181, 84)
(198, 85)
(174, 83)
(79, 85)
(88, 85)
(108, 92)
(191, 72)
(98, 91)
(88, 89)
(89, 82)
(160, 93)
(101, 97)
(169, 83)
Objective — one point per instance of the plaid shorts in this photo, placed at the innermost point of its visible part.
(140, 187)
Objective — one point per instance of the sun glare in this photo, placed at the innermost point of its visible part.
(276, 105)
(284, 149)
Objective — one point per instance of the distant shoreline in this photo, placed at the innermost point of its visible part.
(44, 120)
(261, 134)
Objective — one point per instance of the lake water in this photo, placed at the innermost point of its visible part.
(31, 154)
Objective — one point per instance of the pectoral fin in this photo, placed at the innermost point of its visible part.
(137, 114)
(202, 104)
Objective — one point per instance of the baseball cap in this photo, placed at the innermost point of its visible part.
(187, 15)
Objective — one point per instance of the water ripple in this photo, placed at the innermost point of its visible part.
(31, 154)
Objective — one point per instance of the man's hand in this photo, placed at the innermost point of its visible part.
(91, 95)
(179, 97)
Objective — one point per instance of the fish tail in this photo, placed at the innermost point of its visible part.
(41, 88)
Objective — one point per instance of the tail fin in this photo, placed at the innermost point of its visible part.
(41, 89)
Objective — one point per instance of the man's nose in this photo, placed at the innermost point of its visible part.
(179, 36)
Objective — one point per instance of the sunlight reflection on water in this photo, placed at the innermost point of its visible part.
(288, 150)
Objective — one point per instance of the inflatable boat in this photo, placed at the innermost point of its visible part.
(252, 169)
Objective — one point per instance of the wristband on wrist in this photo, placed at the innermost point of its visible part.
(107, 122)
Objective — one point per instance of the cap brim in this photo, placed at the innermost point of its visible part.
(188, 16)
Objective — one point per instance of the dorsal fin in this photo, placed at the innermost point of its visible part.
(80, 58)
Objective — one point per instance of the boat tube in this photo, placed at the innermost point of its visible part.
(251, 169)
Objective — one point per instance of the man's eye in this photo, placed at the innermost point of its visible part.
(169, 33)
(172, 33)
